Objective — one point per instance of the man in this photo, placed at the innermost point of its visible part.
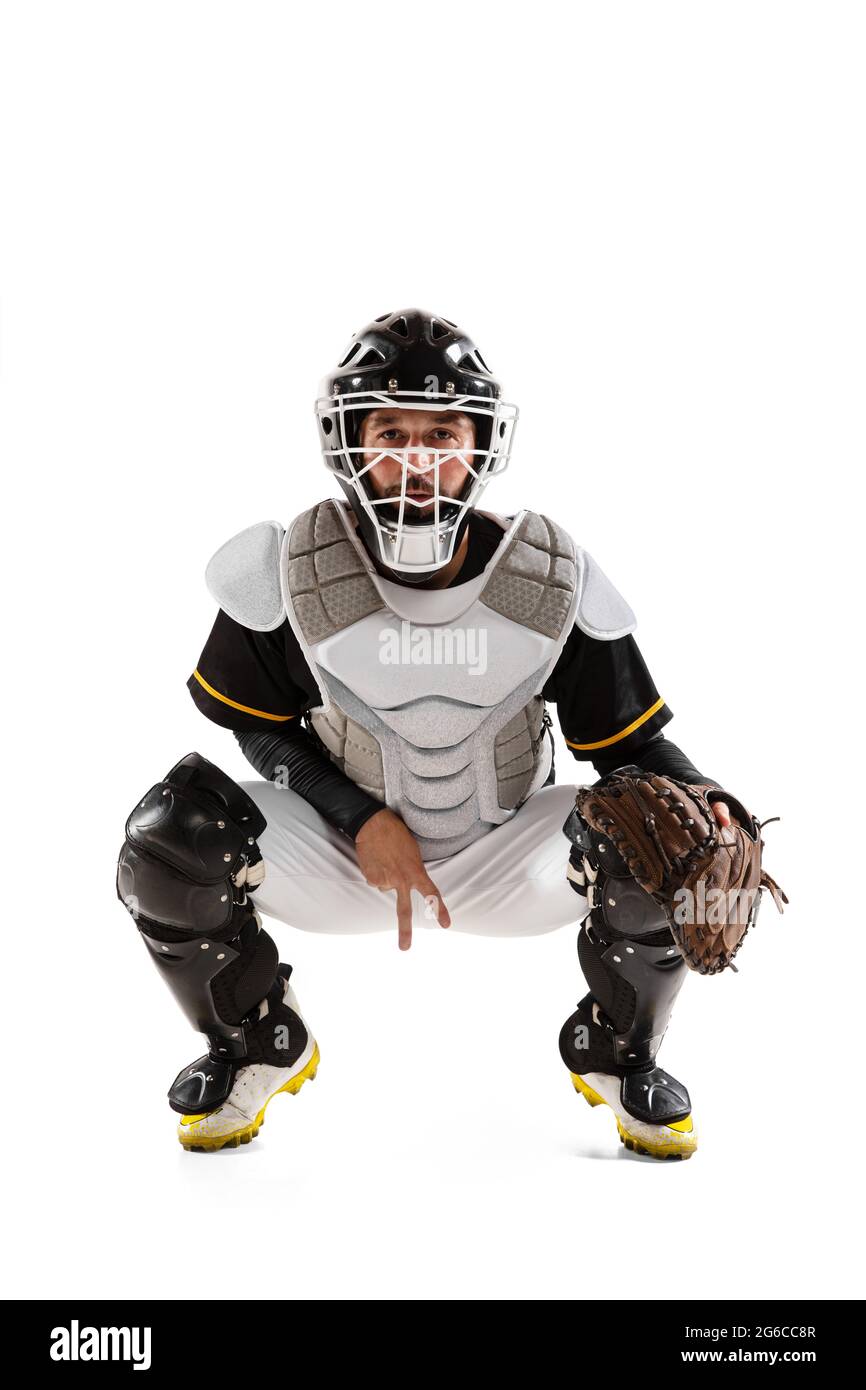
(385, 664)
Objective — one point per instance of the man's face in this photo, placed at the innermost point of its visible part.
(427, 431)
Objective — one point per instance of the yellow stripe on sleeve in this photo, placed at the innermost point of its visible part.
(245, 709)
(623, 733)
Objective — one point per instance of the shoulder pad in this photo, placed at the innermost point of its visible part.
(602, 611)
(244, 577)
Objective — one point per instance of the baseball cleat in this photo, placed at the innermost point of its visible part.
(675, 1138)
(242, 1114)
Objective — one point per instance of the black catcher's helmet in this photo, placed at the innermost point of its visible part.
(412, 360)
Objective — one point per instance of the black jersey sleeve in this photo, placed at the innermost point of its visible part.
(294, 757)
(258, 684)
(606, 700)
(251, 680)
(657, 754)
(610, 711)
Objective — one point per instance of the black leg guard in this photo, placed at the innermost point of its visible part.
(184, 873)
(634, 971)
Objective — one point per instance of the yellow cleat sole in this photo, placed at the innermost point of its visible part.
(649, 1148)
(209, 1144)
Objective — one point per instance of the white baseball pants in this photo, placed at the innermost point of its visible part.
(511, 882)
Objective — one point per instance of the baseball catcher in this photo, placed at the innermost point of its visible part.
(385, 662)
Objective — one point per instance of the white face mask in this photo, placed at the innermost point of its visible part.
(412, 535)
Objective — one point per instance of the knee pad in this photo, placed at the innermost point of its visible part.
(190, 848)
(185, 871)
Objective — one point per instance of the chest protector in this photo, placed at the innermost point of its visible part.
(430, 698)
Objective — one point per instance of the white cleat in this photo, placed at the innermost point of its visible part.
(677, 1139)
(242, 1113)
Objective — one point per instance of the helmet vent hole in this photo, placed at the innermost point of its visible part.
(370, 358)
(350, 353)
(438, 330)
(327, 425)
(468, 362)
(400, 327)
(481, 360)
(382, 318)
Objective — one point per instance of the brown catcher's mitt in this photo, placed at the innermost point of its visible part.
(707, 878)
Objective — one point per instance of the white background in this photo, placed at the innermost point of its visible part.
(651, 218)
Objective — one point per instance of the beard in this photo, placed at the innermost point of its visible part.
(415, 515)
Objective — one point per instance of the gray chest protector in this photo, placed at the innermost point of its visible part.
(431, 698)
